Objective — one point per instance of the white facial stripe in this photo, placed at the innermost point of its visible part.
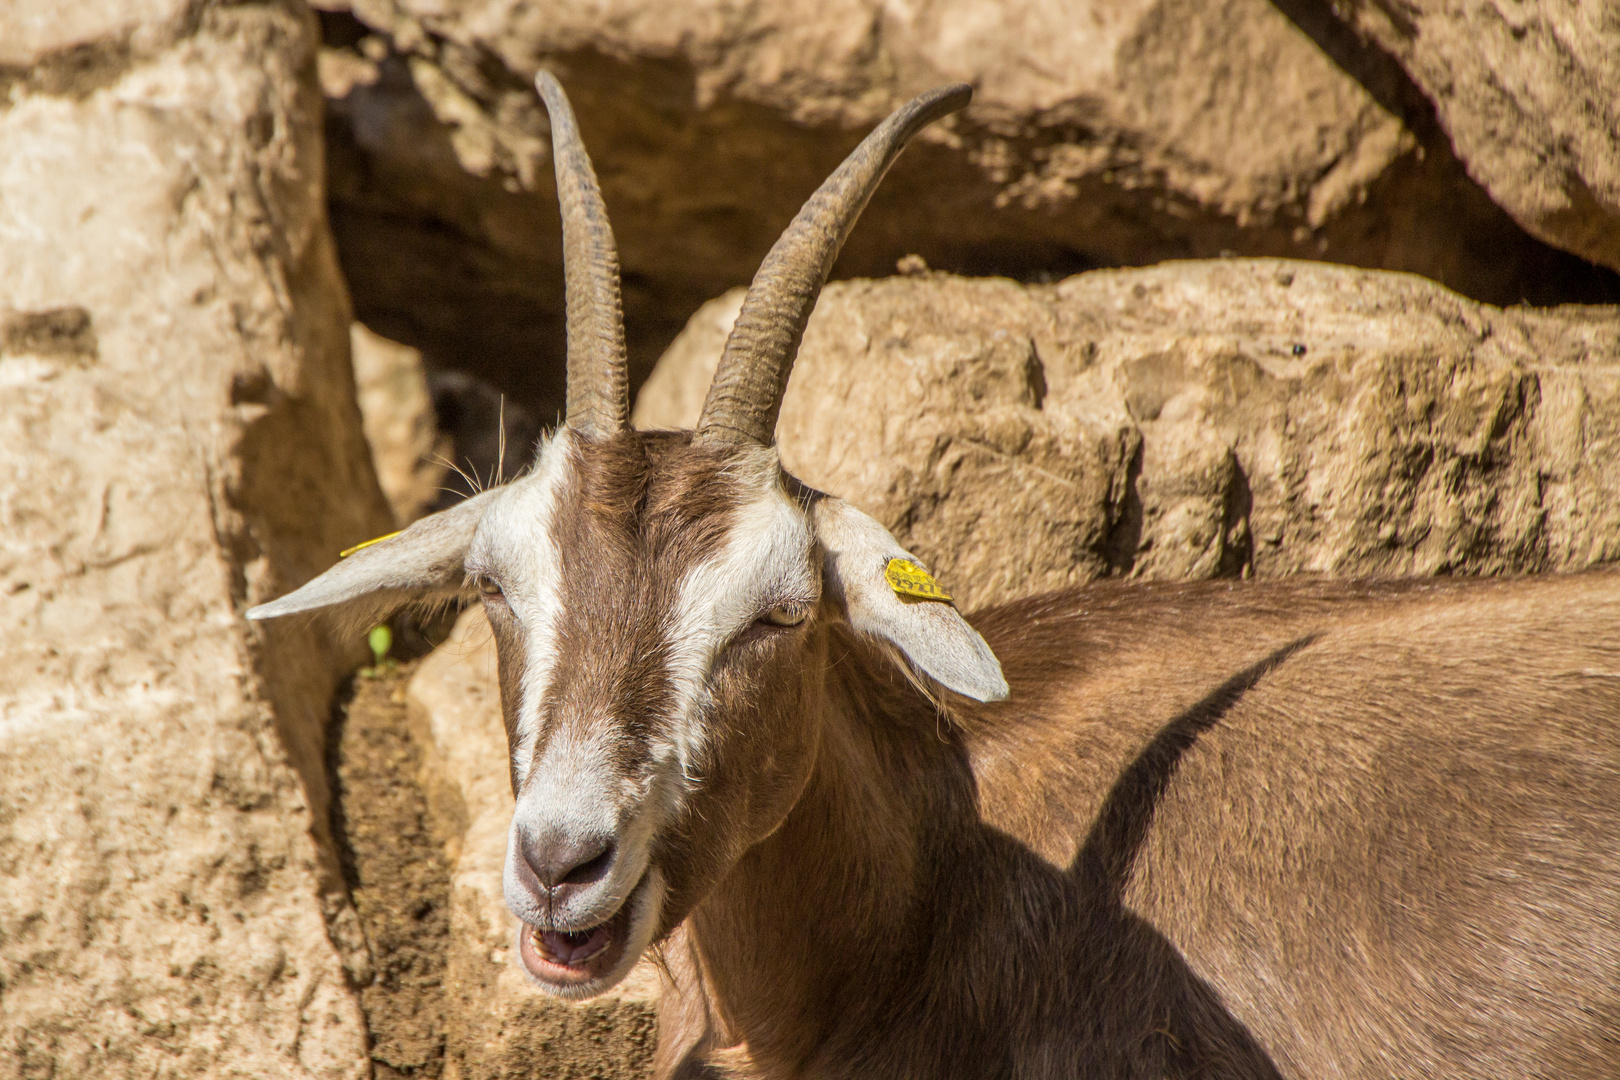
(530, 573)
(765, 559)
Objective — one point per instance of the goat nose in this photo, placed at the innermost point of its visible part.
(558, 857)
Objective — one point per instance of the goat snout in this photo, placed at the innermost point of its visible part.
(560, 857)
(563, 875)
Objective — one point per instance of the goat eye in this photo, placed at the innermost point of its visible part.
(786, 615)
(489, 588)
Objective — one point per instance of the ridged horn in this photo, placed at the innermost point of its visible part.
(746, 394)
(598, 383)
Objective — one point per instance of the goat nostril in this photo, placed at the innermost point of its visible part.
(592, 869)
(569, 860)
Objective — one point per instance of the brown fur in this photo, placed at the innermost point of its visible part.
(637, 514)
(640, 511)
(1299, 829)
(1304, 829)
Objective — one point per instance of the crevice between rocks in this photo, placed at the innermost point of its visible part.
(397, 872)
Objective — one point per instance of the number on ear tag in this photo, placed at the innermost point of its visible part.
(909, 579)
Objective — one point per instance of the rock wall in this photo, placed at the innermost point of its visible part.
(1103, 133)
(179, 439)
(1529, 93)
(1196, 420)
(180, 433)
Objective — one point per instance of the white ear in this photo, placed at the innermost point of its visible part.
(423, 561)
(931, 633)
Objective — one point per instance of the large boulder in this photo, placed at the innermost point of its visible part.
(1105, 132)
(179, 439)
(1194, 420)
(1529, 94)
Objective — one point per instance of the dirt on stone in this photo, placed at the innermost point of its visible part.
(397, 874)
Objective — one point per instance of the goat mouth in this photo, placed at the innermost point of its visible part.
(584, 961)
(571, 958)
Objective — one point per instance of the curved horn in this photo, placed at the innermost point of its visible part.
(747, 390)
(598, 386)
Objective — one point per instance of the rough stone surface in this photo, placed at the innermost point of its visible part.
(1195, 420)
(1104, 132)
(396, 410)
(179, 438)
(1529, 94)
(498, 1024)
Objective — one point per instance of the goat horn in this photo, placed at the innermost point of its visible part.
(598, 386)
(746, 394)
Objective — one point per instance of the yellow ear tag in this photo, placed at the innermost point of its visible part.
(346, 552)
(908, 579)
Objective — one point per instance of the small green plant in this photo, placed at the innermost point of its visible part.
(381, 639)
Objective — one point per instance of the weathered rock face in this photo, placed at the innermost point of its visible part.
(1195, 420)
(1110, 132)
(1530, 97)
(498, 1025)
(179, 438)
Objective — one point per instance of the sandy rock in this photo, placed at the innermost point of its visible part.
(396, 412)
(1196, 420)
(179, 439)
(1529, 94)
(1106, 132)
(499, 1024)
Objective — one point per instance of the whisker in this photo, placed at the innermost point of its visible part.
(472, 481)
(500, 445)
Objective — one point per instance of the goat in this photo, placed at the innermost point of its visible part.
(1303, 829)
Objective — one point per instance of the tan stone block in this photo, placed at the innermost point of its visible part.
(396, 410)
(1195, 420)
(1529, 94)
(179, 440)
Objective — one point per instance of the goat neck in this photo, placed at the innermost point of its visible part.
(889, 790)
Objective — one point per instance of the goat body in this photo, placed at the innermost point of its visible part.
(1302, 829)
(1310, 830)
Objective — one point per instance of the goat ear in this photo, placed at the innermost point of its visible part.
(931, 633)
(421, 562)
